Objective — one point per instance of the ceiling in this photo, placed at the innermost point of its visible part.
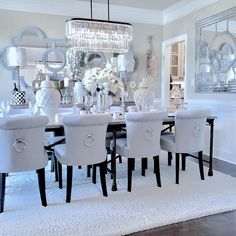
(158, 12)
(158, 5)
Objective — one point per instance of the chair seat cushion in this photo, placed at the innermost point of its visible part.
(168, 143)
(60, 153)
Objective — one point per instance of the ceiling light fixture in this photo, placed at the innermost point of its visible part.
(99, 35)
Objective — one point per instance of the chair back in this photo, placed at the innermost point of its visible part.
(85, 138)
(190, 128)
(19, 111)
(22, 143)
(143, 133)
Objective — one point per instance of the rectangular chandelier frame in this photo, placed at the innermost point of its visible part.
(99, 35)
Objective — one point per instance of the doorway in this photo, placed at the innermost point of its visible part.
(174, 53)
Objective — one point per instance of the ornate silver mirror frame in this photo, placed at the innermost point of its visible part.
(216, 53)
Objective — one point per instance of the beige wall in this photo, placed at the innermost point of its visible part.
(12, 22)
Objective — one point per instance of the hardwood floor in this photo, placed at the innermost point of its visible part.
(223, 224)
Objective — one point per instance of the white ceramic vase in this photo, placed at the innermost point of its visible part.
(143, 97)
(48, 99)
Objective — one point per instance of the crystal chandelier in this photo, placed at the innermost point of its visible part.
(99, 35)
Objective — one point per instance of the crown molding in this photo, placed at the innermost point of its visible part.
(184, 8)
(76, 8)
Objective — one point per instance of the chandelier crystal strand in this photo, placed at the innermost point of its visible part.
(98, 35)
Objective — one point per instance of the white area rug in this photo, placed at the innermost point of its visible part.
(89, 213)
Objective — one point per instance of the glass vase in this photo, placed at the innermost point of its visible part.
(102, 102)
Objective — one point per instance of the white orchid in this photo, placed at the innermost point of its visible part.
(103, 80)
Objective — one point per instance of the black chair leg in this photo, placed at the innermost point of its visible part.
(102, 167)
(200, 161)
(89, 167)
(120, 159)
(144, 165)
(157, 170)
(56, 168)
(131, 163)
(2, 190)
(177, 168)
(41, 182)
(169, 158)
(69, 183)
(94, 179)
(59, 174)
(183, 161)
(52, 162)
(105, 165)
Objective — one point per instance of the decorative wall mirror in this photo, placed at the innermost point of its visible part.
(216, 53)
(39, 50)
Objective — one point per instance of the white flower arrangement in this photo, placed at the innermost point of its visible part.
(103, 80)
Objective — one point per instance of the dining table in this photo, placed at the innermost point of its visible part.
(117, 125)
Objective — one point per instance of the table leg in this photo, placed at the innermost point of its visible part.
(113, 163)
(210, 171)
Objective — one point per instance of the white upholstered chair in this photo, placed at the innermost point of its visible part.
(85, 145)
(188, 138)
(53, 139)
(22, 149)
(143, 140)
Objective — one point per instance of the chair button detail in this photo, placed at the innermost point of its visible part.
(196, 131)
(19, 145)
(148, 135)
(89, 140)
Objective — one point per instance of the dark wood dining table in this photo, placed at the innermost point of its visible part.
(116, 126)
